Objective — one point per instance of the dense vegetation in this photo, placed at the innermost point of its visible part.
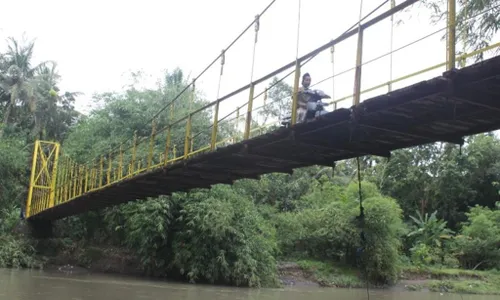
(432, 206)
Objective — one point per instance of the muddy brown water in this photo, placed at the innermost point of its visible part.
(57, 285)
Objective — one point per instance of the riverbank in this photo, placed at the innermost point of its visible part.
(411, 278)
(75, 258)
(296, 272)
(451, 280)
(310, 273)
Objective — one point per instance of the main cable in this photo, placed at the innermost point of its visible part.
(197, 77)
(310, 58)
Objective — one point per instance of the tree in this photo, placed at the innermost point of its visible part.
(279, 101)
(16, 78)
(29, 95)
(55, 112)
(477, 21)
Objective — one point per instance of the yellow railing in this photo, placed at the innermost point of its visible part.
(57, 180)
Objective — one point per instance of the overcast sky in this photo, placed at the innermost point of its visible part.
(96, 43)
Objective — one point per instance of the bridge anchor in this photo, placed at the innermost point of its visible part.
(40, 229)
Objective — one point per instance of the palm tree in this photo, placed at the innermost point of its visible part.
(16, 78)
(54, 112)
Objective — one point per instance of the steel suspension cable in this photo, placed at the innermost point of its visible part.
(406, 45)
(361, 219)
(220, 55)
(307, 57)
(199, 75)
(298, 31)
(350, 28)
(306, 61)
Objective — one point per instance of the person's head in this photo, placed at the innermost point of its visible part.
(306, 80)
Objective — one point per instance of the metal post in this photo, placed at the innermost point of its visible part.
(359, 59)
(357, 75)
(101, 172)
(389, 86)
(134, 153)
(80, 180)
(70, 180)
(187, 138)
(332, 51)
(74, 180)
(450, 54)
(110, 162)
(248, 121)
(32, 179)
(295, 95)
(167, 144)
(53, 177)
(214, 128)
(86, 178)
(236, 124)
(64, 197)
(152, 143)
(120, 164)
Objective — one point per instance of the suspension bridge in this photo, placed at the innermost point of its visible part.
(462, 101)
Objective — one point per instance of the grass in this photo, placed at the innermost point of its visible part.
(491, 287)
(331, 275)
(456, 280)
(434, 279)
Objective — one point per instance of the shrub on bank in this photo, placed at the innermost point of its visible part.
(331, 231)
(222, 238)
(17, 252)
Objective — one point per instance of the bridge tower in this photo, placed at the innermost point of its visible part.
(42, 186)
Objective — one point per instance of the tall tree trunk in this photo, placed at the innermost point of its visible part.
(6, 116)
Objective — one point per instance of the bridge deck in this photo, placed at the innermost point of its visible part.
(445, 108)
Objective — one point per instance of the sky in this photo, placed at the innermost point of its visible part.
(98, 43)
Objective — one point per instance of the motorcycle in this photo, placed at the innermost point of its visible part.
(315, 107)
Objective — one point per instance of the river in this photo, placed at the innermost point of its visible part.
(47, 285)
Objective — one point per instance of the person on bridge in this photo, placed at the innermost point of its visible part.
(302, 98)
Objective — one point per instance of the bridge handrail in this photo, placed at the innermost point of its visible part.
(77, 179)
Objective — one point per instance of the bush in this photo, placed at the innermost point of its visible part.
(222, 238)
(332, 231)
(478, 244)
(146, 231)
(17, 252)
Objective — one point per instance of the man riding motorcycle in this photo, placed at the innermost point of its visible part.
(309, 103)
(303, 98)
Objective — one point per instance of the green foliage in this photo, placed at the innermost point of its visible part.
(331, 231)
(457, 281)
(8, 219)
(478, 244)
(489, 286)
(233, 235)
(222, 238)
(279, 102)
(331, 275)
(440, 177)
(144, 227)
(477, 21)
(422, 255)
(17, 252)
(429, 230)
(29, 95)
(279, 190)
(14, 172)
(119, 115)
